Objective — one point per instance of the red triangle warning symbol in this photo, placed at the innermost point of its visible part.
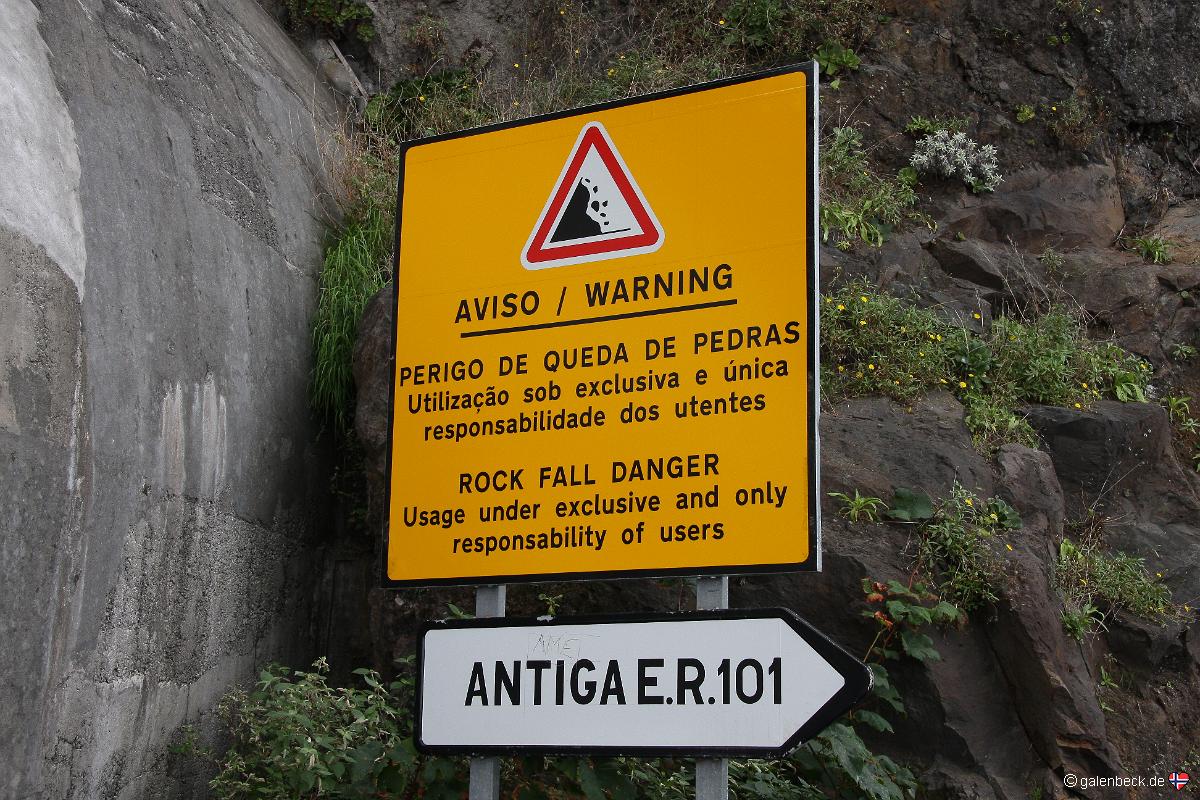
(596, 210)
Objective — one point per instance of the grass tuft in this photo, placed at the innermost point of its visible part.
(1095, 582)
(355, 268)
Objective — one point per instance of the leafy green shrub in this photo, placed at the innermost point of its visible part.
(356, 267)
(857, 202)
(1094, 583)
(433, 103)
(832, 58)
(962, 549)
(1053, 261)
(774, 31)
(1025, 113)
(352, 16)
(295, 736)
(1077, 121)
(1050, 360)
(874, 343)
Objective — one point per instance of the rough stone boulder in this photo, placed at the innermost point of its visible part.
(1039, 207)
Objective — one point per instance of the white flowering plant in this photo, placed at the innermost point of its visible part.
(956, 155)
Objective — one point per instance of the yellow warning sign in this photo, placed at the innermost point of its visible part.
(605, 342)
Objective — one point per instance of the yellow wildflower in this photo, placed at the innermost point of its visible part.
(962, 384)
(976, 316)
(870, 366)
(841, 307)
(863, 297)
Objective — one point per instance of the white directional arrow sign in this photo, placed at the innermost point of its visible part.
(743, 682)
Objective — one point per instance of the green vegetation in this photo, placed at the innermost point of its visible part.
(858, 203)
(334, 16)
(832, 58)
(1050, 360)
(873, 343)
(924, 126)
(1152, 249)
(1077, 121)
(1053, 261)
(1025, 113)
(1187, 427)
(1183, 352)
(994, 423)
(962, 548)
(1095, 582)
(859, 507)
(355, 268)
(296, 736)
(1179, 409)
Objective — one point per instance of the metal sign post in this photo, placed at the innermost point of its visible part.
(712, 774)
(485, 772)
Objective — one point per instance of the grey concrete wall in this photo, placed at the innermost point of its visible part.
(161, 496)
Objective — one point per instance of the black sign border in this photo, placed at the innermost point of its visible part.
(857, 675)
(813, 562)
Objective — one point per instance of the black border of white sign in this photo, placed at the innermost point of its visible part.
(472, 697)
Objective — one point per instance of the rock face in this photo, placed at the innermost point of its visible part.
(478, 31)
(160, 232)
(1015, 703)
